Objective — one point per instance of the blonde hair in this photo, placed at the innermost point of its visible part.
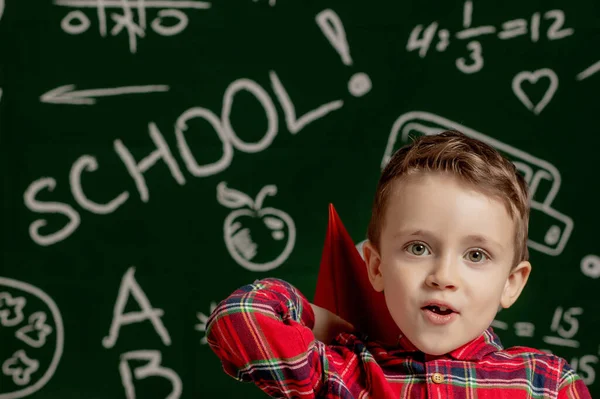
(474, 162)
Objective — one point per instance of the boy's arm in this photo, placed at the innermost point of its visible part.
(263, 333)
(571, 386)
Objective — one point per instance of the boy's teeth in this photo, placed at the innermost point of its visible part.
(443, 308)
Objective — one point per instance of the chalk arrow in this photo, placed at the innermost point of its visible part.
(68, 95)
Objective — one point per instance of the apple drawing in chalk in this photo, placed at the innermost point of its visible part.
(258, 239)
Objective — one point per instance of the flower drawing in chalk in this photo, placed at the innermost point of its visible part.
(20, 367)
(11, 309)
(257, 238)
(203, 320)
(34, 334)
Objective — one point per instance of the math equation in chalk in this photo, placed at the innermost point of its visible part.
(548, 25)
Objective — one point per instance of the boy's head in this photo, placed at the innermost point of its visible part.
(448, 227)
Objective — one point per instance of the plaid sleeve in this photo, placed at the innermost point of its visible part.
(263, 334)
(571, 386)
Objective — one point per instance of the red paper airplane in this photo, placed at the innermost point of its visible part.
(343, 286)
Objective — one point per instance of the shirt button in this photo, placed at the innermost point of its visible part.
(437, 378)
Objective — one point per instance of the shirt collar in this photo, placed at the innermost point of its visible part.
(474, 350)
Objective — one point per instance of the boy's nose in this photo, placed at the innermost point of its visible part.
(442, 276)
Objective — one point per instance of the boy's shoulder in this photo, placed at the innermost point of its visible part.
(528, 352)
(537, 360)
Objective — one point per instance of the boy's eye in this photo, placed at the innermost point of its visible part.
(476, 256)
(417, 249)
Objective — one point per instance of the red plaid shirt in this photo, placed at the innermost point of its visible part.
(263, 334)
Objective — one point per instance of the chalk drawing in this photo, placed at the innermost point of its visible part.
(332, 27)
(68, 95)
(475, 57)
(76, 22)
(11, 309)
(590, 266)
(31, 370)
(203, 319)
(533, 77)
(535, 170)
(524, 329)
(561, 318)
(153, 368)
(294, 124)
(238, 238)
(422, 44)
(585, 367)
(589, 71)
(221, 124)
(37, 324)
(499, 325)
(556, 31)
(20, 367)
(129, 286)
(36, 205)
(421, 39)
(88, 163)
(566, 336)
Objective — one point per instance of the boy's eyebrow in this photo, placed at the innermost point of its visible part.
(483, 240)
(477, 238)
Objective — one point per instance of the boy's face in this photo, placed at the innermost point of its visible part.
(432, 249)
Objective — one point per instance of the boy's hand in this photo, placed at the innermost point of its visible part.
(328, 325)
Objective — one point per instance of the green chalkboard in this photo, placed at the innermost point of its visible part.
(156, 155)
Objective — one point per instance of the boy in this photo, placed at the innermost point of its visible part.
(447, 246)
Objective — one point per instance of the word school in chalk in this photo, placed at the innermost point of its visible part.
(44, 235)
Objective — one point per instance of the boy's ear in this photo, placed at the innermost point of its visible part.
(515, 283)
(373, 261)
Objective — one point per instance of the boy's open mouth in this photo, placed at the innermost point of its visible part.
(442, 310)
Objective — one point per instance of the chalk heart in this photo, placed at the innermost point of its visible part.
(534, 77)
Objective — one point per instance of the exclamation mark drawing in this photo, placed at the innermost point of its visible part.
(333, 29)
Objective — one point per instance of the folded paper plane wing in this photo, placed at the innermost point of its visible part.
(343, 286)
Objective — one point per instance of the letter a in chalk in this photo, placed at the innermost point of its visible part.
(129, 285)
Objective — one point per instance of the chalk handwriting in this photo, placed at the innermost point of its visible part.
(68, 95)
(421, 38)
(30, 370)
(557, 226)
(589, 71)
(76, 22)
(333, 29)
(137, 169)
(560, 318)
(152, 368)
(129, 286)
(294, 124)
(524, 329)
(590, 266)
(37, 325)
(238, 224)
(533, 77)
(499, 325)
(35, 205)
(203, 319)
(223, 128)
(584, 366)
